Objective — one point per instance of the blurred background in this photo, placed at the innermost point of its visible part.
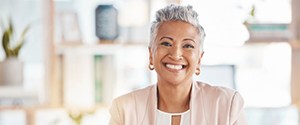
(79, 55)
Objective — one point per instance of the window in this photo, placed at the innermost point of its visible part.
(262, 71)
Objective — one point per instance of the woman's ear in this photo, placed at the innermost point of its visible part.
(150, 55)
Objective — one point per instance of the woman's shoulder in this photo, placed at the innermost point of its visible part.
(214, 90)
(218, 95)
(122, 107)
(217, 100)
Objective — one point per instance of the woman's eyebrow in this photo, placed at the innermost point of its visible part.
(170, 38)
(189, 39)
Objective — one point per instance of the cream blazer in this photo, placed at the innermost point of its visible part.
(209, 105)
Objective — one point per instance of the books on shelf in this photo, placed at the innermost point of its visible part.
(105, 76)
(98, 66)
(78, 87)
(96, 75)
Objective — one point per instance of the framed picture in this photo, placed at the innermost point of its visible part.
(70, 31)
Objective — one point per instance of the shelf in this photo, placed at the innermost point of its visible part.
(15, 92)
(17, 96)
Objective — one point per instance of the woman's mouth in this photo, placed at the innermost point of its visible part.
(174, 66)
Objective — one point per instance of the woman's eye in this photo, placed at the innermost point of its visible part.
(188, 46)
(165, 44)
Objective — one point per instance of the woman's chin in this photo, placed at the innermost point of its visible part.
(175, 81)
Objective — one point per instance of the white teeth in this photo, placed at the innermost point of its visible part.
(176, 67)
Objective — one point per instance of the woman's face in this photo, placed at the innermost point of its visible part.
(175, 52)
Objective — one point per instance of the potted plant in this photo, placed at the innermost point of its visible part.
(11, 68)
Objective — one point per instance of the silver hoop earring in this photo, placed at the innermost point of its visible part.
(151, 67)
(197, 71)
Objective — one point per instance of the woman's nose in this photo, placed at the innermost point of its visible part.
(176, 53)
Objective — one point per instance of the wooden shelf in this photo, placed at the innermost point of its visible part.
(16, 92)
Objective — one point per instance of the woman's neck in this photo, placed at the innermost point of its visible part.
(173, 98)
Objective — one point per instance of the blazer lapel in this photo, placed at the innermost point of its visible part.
(151, 106)
(196, 106)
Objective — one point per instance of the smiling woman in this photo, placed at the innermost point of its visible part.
(175, 52)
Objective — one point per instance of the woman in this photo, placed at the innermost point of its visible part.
(176, 49)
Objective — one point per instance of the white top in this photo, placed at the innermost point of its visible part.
(164, 118)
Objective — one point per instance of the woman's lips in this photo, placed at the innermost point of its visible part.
(174, 66)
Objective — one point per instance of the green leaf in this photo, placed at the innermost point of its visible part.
(25, 30)
(21, 41)
(7, 37)
(5, 42)
(252, 13)
(10, 53)
(17, 48)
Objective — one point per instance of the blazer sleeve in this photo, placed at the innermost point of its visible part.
(237, 114)
(115, 113)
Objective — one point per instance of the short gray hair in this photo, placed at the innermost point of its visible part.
(174, 12)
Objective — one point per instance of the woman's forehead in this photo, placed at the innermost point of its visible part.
(177, 29)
